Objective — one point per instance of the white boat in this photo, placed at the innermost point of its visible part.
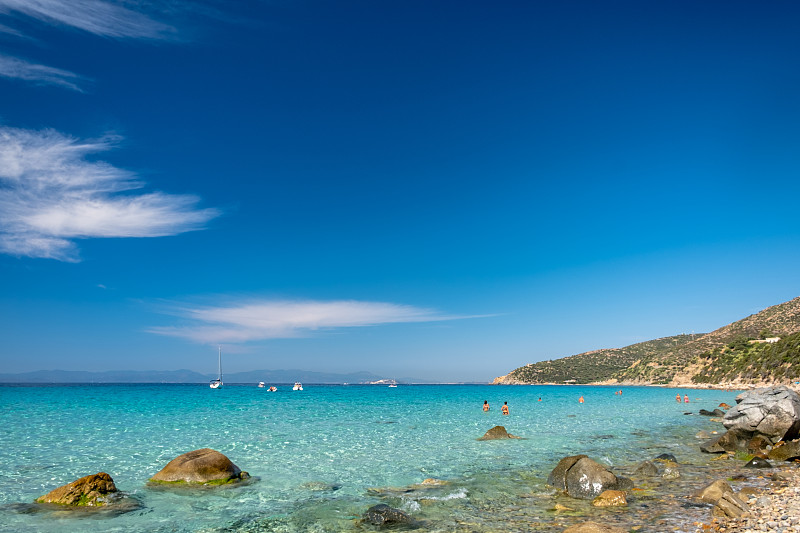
(217, 383)
(297, 386)
(393, 386)
(261, 385)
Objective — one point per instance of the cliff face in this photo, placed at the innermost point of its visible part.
(722, 356)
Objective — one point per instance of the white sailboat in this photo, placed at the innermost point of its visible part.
(217, 383)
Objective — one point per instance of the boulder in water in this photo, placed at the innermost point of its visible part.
(91, 491)
(584, 478)
(204, 467)
(498, 433)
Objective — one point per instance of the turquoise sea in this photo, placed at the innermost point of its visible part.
(321, 457)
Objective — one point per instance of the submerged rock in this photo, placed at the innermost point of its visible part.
(646, 468)
(593, 527)
(497, 433)
(671, 471)
(610, 498)
(91, 491)
(666, 457)
(205, 466)
(382, 514)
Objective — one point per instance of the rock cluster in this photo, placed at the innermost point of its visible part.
(778, 509)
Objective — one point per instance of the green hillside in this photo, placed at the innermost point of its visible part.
(743, 360)
(592, 367)
(723, 355)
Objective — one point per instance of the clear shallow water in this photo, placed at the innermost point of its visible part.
(321, 457)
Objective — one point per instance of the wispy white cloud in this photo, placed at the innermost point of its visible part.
(98, 17)
(50, 195)
(265, 319)
(12, 67)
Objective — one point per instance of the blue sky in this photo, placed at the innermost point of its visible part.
(443, 190)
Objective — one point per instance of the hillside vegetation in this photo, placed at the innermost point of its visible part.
(722, 356)
(596, 366)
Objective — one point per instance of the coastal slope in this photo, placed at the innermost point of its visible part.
(762, 348)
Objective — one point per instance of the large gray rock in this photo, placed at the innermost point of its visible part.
(584, 478)
(773, 412)
(205, 466)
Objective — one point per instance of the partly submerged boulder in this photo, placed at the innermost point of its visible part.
(205, 466)
(584, 478)
(773, 412)
(758, 462)
(497, 433)
(92, 491)
(729, 441)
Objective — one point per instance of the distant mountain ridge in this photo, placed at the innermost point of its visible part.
(724, 356)
(189, 376)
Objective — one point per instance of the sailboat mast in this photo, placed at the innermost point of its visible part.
(219, 370)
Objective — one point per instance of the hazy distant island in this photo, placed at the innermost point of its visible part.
(761, 349)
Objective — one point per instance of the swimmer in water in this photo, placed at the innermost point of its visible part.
(485, 405)
(504, 409)
(678, 398)
(580, 400)
(685, 398)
